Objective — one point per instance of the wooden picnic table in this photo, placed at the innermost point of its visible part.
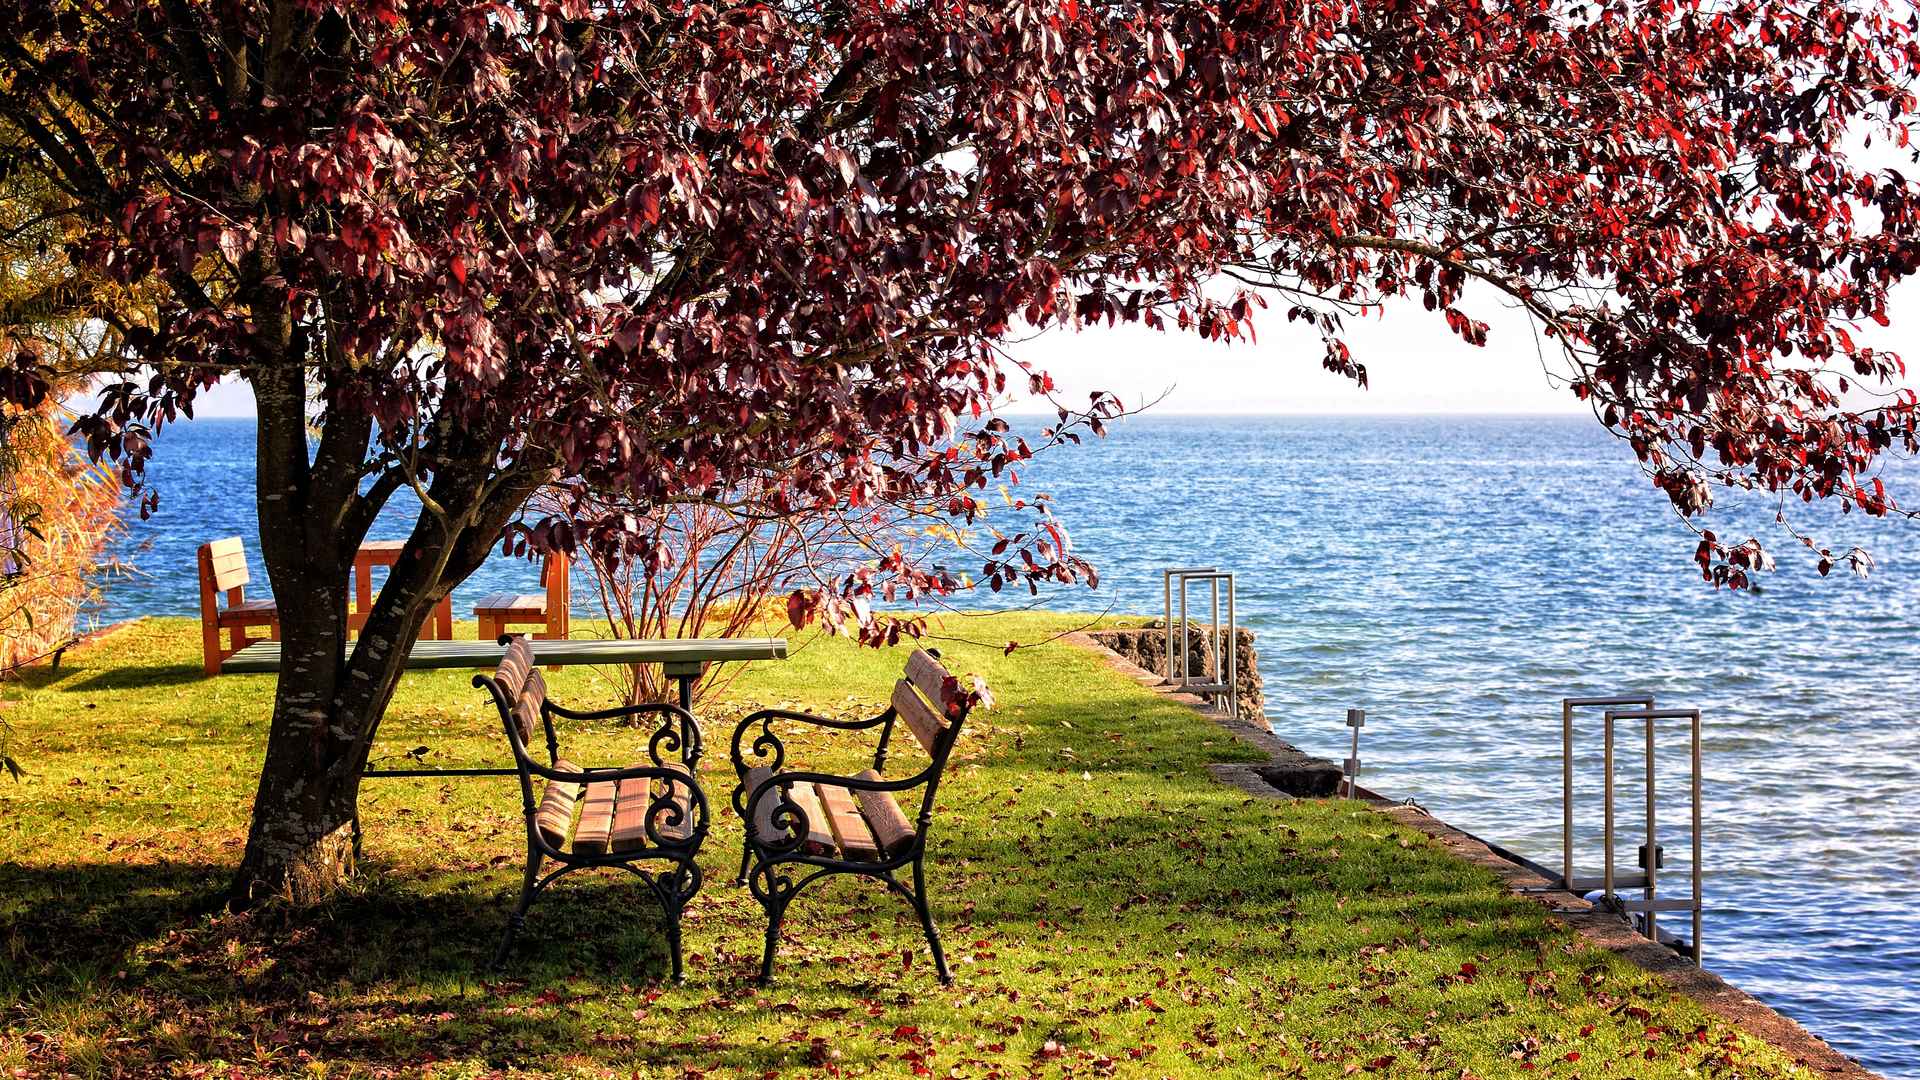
(374, 553)
(683, 659)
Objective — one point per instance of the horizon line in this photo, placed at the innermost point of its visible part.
(1200, 414)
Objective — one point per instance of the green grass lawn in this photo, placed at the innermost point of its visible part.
(1108, 908)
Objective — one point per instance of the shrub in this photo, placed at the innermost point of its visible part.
(56, 515)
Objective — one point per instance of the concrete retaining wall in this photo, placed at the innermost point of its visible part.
(1146, 647)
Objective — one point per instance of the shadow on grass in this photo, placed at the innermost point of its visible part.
(388, 971)
(141, 677)
(69, 923)
(65, 929)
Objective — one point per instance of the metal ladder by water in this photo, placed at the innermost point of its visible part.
(1222, 678)
(1644, 911)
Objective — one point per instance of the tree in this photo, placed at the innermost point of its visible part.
(670, 251)
(57, 511)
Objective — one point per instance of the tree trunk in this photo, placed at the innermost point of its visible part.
(301, 842)
(326, 710)
(332, 692)
(331, 696)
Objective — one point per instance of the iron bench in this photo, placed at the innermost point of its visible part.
(803, 826)
(653, 811)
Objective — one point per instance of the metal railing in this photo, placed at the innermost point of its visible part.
(1651, 856)
(1568, 880)
(1651, 904)
(1223, 674)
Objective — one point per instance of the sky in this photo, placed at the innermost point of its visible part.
(1414, 366)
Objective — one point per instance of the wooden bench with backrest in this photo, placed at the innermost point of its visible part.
(497, 612)
(803, 826)
(582, 818)
(223, 569)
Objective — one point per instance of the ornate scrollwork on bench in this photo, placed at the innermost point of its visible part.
(649, 812)
(802, 826)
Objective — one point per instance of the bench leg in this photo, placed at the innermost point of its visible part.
(518, 920)
(925, 912)
(672, 890)
(776, 911)
(210, 646)
(746, 856)
(673, 943)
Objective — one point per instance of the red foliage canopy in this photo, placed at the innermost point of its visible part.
(680, 250)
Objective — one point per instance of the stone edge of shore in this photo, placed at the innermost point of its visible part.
(1602, 929)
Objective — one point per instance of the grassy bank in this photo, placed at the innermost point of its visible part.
(1109, 909)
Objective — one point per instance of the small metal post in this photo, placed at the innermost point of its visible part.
(1607, 873)
(1356, 719)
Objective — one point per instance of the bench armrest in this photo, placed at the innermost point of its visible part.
(766, 748)
(851, 783)
(603, 775)
(680, 735)
(617, 712)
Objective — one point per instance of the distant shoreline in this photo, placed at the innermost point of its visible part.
(1153, 415)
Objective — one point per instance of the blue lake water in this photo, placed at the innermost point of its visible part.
(1456, 577)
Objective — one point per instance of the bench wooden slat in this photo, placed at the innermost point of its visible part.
(230, 571)
(526, 706)
(819, 839)
(675, 827)
(515, 662)
(635, 799)
(630, 813)
(596, 819)
(889, 823)
(511, 603)
(556, 808)
(250, 613)
(525, 716)
(849, 828)
(919, 716)
(763, 830)
(930, 676)
(227, 559)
